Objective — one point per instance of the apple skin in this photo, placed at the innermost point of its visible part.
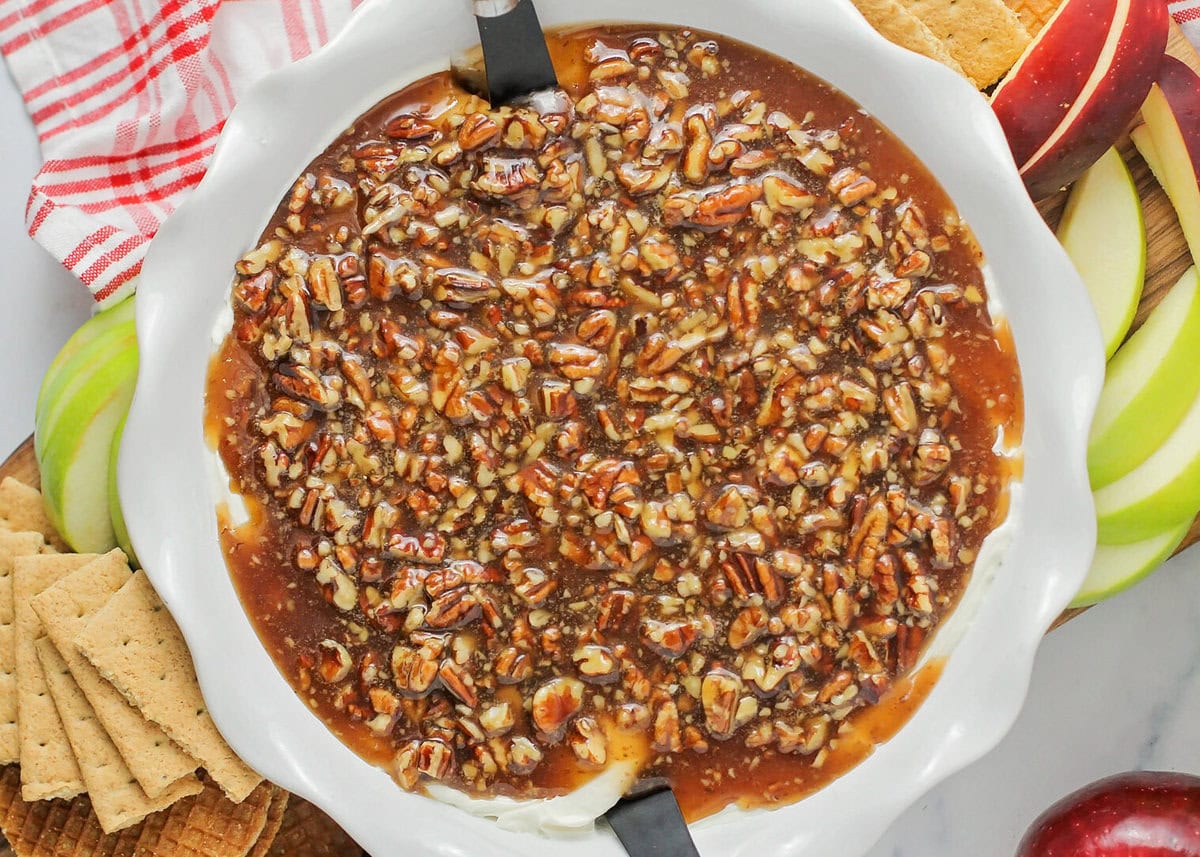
(83, 398)
(75, 461)
(91, 344)
(120, 531)
(1062, 68)
(1172, 115)
(1115, 568)
(1103, 231)
(1162, 491)
(1078, 86)
(1150, 384)
(1135, 814)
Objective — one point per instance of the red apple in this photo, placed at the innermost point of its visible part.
(1137, 814)
(1172, 116)
(1078, 86)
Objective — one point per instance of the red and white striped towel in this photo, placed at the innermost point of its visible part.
(128, 97)
(1187, 14)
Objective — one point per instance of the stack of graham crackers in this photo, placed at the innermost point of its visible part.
(980, 39)
(106, 743)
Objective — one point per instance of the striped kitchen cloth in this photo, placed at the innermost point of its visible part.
(128, 97)
(1187, 14)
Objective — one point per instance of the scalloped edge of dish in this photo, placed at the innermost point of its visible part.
(280, 124)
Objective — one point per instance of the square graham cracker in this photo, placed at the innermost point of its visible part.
(21, 509)
(117, 799)
(900, 26)
(12, 545)
(48, 767)
(134, 643)
(984, 36)
(155, 761)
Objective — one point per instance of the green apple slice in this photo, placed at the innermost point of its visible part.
(1115, 568)
(1143, 142)
(1103, 232)
(1161, 492)
(1171, 113)
(76, 452)
(120, 531)
(80, 351)
(1150, 383)
(72, 375)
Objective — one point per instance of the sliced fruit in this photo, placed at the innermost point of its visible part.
(1103, 232)
(1145, 146)
(100, 336)
(1149, 385)
(120, 531)
(1117, 567)
(81, 403)
(1172, 115)
(1078, 86)
(1161, 492)
(75, 463)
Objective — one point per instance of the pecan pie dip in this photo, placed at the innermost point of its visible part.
(659, 421)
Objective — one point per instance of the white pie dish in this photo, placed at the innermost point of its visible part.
(169, 498)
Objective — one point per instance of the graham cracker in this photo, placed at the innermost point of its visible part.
(1033, 13)
(202, 825)
(308, 832)
(155, 761)
(984, 36)
(48, 768)
(134, 643)
(902, 27)
(117, 799)
(11, 545)
(21, 509)
(279, 802)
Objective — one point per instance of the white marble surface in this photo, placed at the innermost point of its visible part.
(40, 303)
(1116, 689)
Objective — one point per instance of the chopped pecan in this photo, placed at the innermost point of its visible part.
(719, 693)
(453, 609)
(589, 742)
(335, 662)
(749, 624)
(669, 639)
(435, 759)
(512, 666)
(458, 682)
(596, 664)
(413, 672)
(555, 703)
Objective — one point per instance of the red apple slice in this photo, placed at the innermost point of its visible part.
(1172, 115)
(1078, 86)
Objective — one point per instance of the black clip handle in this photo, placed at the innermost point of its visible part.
(649, 823)
(515, 55)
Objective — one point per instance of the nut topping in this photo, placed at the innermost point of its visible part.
(555, 703)
(719, 695)
(658, 413)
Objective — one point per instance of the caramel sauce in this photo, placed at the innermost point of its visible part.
(771, 779)
(291, 614)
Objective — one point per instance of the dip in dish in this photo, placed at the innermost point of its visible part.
(660, 421)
